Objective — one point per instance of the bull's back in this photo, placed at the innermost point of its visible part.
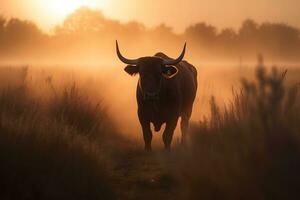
(183, 87)
(188, 85)
(191, 70)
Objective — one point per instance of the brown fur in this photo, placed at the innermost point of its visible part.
(175, 96)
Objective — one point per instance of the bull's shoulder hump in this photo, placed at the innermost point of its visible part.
(189, 66)
(162, 55)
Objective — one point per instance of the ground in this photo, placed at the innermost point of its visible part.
(143, 175)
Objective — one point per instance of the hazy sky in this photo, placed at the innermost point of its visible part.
(176, 13)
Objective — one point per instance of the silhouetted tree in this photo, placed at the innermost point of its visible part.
(2, 24)
(88, 29)
(82, 20)
(281, 39)
(134, 28)
(248, 36)
(2, 30)
(248, 29)
(227, 37)
(202, 33)
(19, 37)
(21, 31)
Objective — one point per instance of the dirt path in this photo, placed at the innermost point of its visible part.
(142, 175)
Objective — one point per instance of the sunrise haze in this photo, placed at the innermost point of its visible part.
(176, 13)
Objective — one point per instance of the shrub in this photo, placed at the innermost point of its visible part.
(44, 151)
(251, 149)
(76, 110)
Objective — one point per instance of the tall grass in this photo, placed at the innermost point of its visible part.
(76, 111)
(251, 148)
(65, 147)
(48, 150)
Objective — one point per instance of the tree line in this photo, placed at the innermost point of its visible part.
(88, 32)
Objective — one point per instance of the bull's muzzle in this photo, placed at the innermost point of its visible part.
(150, 96)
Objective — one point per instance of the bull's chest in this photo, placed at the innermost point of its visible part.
(157, 112)
(157, 115)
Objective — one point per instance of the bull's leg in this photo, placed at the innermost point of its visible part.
(147, 133)
(168, 133)
(184, 125)
(185, 119)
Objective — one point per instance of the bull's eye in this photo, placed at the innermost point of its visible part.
(166, 72)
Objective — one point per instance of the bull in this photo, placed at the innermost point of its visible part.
(165, 92)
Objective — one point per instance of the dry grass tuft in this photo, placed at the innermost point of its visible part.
(46, 151)
(251, 149)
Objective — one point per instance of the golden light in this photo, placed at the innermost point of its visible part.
(49, 13)
(61, 8)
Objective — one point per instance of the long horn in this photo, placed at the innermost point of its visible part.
(176, 61)
(123, 59)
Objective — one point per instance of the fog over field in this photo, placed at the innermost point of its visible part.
(85, 41)
(87, 37)
(68, 113)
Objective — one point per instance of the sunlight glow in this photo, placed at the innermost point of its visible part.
(49, 13)
(65, 7)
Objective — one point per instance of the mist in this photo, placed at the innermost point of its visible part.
(87, 37)
(68, 114)
(83, 48)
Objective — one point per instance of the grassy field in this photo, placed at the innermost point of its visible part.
(61, 137)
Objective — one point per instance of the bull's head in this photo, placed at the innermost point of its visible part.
(151, 70)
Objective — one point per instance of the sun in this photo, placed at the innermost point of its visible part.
(49, 13)
(65, 7)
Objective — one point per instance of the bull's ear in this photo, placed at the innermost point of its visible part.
(170, 71)
(132, 69)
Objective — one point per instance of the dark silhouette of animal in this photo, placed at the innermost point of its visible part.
(166, 90)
